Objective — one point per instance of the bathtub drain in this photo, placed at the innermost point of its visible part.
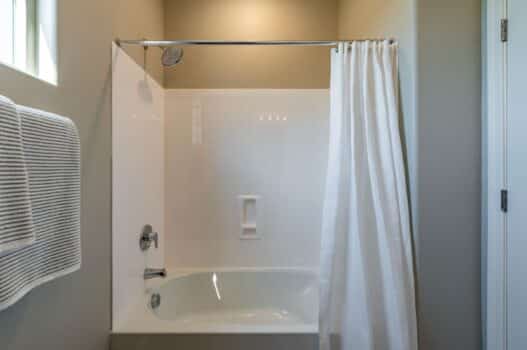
(155, 301)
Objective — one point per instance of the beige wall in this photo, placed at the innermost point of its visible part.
(251, 67)
(137, 19)
(74, 312)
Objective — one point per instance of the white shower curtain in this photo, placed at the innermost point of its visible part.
(367, 298)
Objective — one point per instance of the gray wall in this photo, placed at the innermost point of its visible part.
(74, 312)
(449, 168)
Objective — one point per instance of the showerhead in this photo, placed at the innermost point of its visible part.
(171, 56)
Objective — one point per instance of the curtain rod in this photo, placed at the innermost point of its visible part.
(167, 43)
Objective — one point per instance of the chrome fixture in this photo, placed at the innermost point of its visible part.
(170, 43)
(147, 237)
(171, 56)
(155, 301)
(173, 53)
(154, 273)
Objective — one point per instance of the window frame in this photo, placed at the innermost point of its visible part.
(27, 55)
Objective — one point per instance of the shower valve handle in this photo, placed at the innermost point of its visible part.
(147, 237)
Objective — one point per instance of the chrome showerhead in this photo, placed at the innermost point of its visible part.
(171, 56)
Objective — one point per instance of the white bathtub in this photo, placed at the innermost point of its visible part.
(263, 301)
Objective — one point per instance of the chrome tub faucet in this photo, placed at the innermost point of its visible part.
(154, 273)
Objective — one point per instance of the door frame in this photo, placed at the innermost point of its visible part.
(495, 270)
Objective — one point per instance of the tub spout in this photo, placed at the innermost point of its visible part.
(155, 273)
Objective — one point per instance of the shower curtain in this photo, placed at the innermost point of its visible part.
(367, 298)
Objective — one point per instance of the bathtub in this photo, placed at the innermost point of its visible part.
(242, 301)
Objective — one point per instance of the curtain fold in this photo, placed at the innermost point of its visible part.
(367, 296)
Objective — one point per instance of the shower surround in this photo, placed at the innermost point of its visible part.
(223, 144)
(186, 161)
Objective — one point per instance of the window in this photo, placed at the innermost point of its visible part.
(28, 40)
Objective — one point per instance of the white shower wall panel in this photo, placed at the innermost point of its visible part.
(138, 163)
(223, 144)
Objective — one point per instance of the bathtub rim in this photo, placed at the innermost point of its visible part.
(176, 273)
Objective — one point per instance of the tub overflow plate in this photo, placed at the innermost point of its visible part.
(155, 301)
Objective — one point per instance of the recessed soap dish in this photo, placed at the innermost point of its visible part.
(250, 217)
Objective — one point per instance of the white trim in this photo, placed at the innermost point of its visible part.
(496, 301)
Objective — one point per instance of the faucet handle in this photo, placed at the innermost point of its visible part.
(147, 237)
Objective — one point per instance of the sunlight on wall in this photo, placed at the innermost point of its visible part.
(251, 67)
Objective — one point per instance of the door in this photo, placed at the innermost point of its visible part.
(516, 160)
